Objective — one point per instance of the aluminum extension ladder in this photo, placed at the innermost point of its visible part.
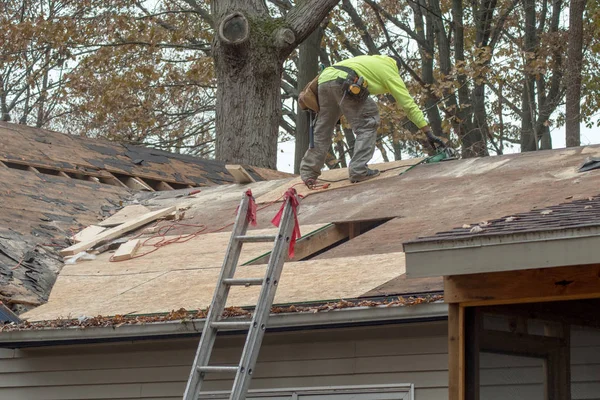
(257, 326)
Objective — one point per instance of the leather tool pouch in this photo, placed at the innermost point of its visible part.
(353, 85)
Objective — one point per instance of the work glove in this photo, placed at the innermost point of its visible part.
(434, 141)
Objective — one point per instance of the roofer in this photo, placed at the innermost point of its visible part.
(344, 88)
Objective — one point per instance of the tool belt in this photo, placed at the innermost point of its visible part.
(353, 85)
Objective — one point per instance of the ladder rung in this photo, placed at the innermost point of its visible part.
(256, 238)
(231, 325)
(211, 369)
(243, 282)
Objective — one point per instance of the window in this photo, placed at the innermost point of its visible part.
(372, 392)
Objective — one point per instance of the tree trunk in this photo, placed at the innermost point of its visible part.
(463, 114)
(249, 49)
(308, 68)
(575, 56)
(248, 106)
(529, 141)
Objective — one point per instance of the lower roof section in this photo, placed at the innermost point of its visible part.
(290, 321)
(518, 251)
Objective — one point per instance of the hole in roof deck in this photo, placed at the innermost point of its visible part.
(47, 171)
(325, 239)
(12, 165)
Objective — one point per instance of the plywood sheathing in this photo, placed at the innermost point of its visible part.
(338, 178)
(203, 252)
(193, 288)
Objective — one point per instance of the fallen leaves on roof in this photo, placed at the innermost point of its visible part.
(185, 315)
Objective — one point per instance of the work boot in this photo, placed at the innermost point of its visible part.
(371, 173)
(310, 182)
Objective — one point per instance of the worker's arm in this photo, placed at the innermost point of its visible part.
(405, 101)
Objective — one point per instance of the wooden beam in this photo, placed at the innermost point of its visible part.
(61, 173)
(456, 352)
(125, 214)
(32, 169)
(473, 326)
(88, 233)
(161, 186)
(239, 173)
(311, 243)
(2, 165)
(574, 312)
(127, 250)
(525, 286)
(117, 231)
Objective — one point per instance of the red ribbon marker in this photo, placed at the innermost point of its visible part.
(290, 195)
(251, 215)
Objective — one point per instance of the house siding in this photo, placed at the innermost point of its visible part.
(391, 354)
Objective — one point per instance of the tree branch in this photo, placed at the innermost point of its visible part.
(306, 16)
(204, 14)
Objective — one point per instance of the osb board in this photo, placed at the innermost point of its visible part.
(201, 252)
(433, 198)
(340, 179)
(303, 281)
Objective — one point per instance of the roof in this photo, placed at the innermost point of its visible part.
(424, 200)
(55, 184)
(574, 214)
(555, 236)
(407, 201)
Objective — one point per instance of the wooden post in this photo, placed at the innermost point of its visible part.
(473, 328)
(456, 354)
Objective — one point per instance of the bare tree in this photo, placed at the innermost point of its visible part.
(575, 57)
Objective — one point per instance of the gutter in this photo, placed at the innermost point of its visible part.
(358, 316)
(509, 252)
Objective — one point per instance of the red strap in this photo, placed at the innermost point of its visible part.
(251, 215)
(290, 195)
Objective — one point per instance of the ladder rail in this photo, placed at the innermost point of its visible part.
(209, 333)
(262, 311)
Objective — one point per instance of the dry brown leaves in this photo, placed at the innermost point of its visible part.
(184, 315)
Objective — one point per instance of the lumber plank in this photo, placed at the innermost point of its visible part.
(163, 186)
(117, 231)
(311, 243)
(239, 173)
(456, 354)
(127, 250)
(524, 286)
(125, 214)
(88, 233)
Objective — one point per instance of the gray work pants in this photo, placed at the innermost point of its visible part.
(363, 117)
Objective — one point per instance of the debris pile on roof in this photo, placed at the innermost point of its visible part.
(231, 312)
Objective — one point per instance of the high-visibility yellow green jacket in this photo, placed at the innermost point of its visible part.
(381, 74)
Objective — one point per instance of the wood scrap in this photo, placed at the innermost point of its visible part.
(125, 214)
(117, 231)
(88, 233)
(127, 250)
(239, 173)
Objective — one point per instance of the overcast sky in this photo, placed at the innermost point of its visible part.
(285, 155)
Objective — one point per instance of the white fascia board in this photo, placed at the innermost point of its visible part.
(347, 316)
(519, 251)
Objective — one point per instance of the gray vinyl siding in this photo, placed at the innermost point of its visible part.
(392, 354)
(521, 378)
